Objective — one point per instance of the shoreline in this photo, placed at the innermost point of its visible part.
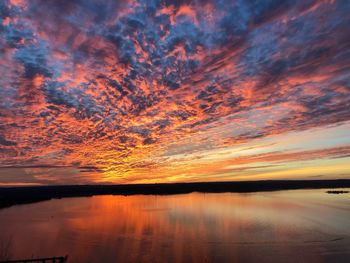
(10, 196)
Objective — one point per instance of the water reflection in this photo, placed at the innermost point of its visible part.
(288, 226)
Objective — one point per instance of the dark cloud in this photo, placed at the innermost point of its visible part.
(5, 142)
(84, 104)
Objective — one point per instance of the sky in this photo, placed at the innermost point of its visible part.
(155, 91)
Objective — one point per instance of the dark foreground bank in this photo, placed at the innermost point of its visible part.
(20, 195)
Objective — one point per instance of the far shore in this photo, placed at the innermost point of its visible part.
(10, 196)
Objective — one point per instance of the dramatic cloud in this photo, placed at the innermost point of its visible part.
(147, 91)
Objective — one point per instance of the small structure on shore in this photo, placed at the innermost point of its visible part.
(337, 192)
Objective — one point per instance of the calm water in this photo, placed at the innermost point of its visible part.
(285, 226)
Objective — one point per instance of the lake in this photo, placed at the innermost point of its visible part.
(281, 226)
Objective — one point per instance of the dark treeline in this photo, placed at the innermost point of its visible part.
(20, 195)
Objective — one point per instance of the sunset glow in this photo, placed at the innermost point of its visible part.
(173, 91)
